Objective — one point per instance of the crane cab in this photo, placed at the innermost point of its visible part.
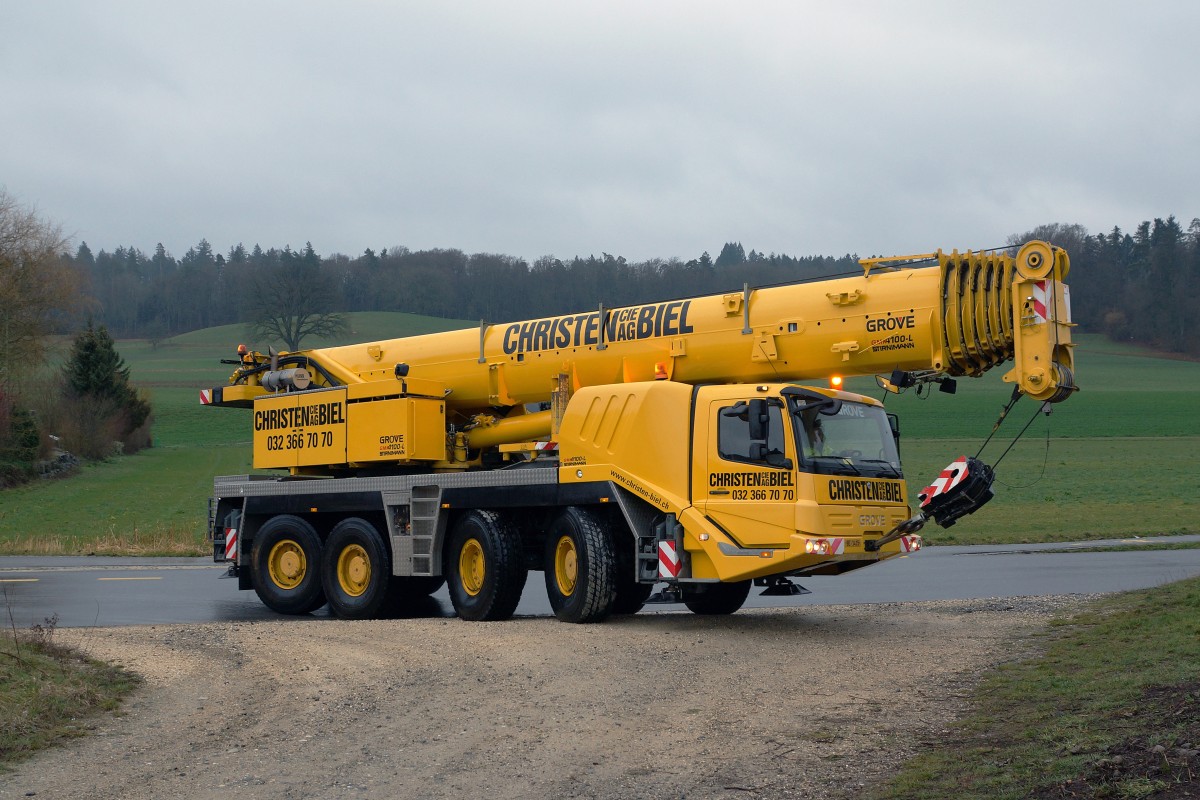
(763, 480)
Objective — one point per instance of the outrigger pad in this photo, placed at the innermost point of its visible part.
(962, 488)
(670, 594)
(780, 587)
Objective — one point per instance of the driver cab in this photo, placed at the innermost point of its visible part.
(764, 456)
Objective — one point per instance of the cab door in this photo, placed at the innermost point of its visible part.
(748, 483)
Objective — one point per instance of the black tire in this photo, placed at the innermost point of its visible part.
(581, 568)
(716, 598)
(484, 567)
(357, 571)
(285, 564)
(631, 596)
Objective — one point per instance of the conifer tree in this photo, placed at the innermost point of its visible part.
(96, 374)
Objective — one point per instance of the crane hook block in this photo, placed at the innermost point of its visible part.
(962, 488)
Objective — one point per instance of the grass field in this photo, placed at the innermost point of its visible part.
(1125, 392)
(1120, 458)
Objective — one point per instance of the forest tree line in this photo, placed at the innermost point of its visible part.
(1141, 286)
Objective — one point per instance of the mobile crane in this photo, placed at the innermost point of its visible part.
(621, 448)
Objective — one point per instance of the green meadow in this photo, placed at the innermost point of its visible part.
(1120, 458)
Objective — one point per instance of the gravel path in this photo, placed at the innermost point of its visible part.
(802, 702)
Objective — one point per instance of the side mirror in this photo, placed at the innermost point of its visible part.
(886, 385)
(758, 419)
(777, 459)
(774, 458)
(830, 408)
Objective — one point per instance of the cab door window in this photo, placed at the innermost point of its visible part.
(752, 433)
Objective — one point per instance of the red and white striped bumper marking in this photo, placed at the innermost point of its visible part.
(837, 547)
(910, 544)
(668, 560)
(205, 397)
(231, 544)
(545, 446)
(951, 476)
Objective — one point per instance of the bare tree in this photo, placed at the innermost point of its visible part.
(37, 287)
(1070, 237)
(292, 301)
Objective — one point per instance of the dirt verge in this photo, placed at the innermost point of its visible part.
(802, 702)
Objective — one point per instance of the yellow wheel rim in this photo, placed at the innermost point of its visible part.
(471, 567)
(286, 564)
(354, 570)
(566, 565)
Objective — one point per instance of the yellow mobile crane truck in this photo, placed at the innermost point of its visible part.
(620, 448)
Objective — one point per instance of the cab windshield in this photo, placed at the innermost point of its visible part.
(838, 437)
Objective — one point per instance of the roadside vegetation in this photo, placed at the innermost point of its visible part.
(1109, 707)
(49, 693)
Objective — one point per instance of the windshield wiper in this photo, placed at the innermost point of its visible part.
(891, 469)
(846, 465)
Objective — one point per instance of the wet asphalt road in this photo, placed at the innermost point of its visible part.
(101, 591)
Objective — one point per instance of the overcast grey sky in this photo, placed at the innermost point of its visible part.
(644, 129)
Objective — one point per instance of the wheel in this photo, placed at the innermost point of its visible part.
(357, 571)
(716, 598)
(484, 567)
(285, 565)
(581, 568)
(631, 596)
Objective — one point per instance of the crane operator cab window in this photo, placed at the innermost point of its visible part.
(838, 437)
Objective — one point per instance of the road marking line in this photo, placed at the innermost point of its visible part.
(130, 579)
(19, 580)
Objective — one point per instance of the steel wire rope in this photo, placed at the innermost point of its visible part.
(1045, 456)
